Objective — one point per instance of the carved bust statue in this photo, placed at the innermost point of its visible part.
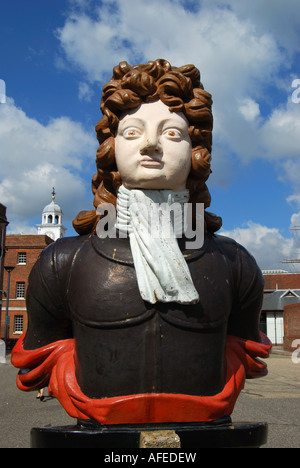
(137, 328)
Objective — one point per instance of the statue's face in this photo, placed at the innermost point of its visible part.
(153, 149)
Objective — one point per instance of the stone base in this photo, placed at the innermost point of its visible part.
(177, 435)
(159, 439)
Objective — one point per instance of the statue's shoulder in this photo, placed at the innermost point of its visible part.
(226, 243)
(70, 244)
(52, 269)
(62, 251)
(241, 261)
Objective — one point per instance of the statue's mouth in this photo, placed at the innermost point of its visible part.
(151, 162)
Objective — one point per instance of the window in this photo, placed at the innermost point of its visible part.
(20, 290)
(18, 324)
(22, 258)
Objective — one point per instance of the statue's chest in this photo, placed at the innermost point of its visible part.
(103, 292)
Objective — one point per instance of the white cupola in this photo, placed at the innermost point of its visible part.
(52, 218)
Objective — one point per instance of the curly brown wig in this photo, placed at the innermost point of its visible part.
(181, 90)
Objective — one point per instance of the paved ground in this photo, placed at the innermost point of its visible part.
(274, 399)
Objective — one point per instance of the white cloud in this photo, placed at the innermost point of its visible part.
(294, 199)
(36, 157)
(295, 220)
(267, 245)
(279, 18)
(281, 133)
(85, 93)
(230, 52)
(249, 109)
(92, 45)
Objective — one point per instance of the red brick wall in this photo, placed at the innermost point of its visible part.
(291, 325)
(31, 245)
(282, 281)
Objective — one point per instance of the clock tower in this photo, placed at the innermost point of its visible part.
(52, 220)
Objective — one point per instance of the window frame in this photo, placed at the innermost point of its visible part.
(18, 324)
(20, 262)
(18, 287)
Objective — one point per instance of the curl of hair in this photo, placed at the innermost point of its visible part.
(174, 89)
(181, 90)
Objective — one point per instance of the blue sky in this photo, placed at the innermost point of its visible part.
(55, 57)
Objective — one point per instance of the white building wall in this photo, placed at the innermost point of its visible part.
(275, 327)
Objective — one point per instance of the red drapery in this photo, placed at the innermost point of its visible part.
(53, 365)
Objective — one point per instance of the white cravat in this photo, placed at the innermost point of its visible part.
(161, 270)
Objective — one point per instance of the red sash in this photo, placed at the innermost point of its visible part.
(53, 365)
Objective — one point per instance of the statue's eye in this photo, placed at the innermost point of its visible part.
(131, 133)
(173, 133)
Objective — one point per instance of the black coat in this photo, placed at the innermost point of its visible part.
(86, 288)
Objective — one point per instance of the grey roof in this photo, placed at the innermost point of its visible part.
(278, 299)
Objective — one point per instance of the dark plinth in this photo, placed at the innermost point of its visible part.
(229, 435)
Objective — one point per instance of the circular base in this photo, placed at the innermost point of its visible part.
(237, 435)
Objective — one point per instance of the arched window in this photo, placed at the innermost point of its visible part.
(56, 219)
(50, 219)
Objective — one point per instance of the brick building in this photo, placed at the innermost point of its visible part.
(280, 318)
(22, 252)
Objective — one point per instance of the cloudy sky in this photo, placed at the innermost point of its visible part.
(55, 57)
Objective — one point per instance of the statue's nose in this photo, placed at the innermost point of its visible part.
(151, 144)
